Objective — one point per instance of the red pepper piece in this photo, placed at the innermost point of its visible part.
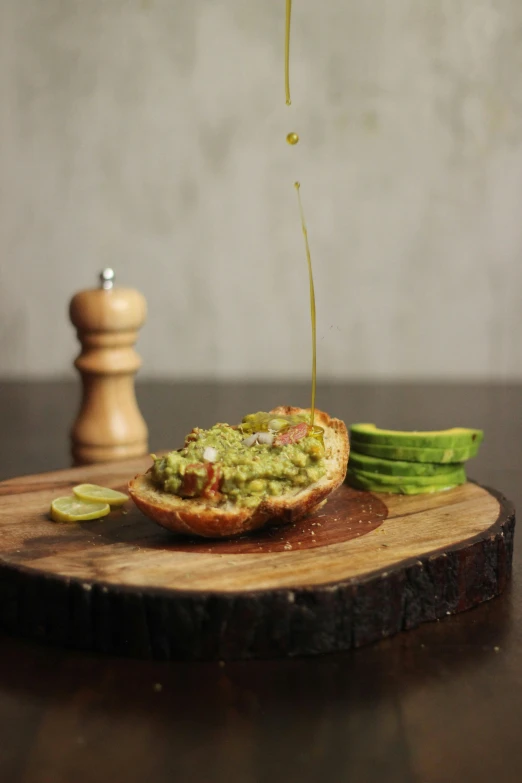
(191, 437)
(201, 479)
(292, 434)
(214, 479)
(193, 480)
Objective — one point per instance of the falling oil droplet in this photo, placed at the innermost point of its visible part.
(287, 51)
(297, 186)
(292, 138)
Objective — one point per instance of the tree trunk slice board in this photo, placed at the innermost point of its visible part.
(363, 567)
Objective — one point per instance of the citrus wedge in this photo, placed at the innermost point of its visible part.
(72, 509)
(92, 493)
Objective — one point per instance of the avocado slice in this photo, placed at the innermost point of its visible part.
(412, 454)
(360, 482)
(392, 467)
(455, 476)
(457, 437)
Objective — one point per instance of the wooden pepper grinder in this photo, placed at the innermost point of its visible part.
(109, 425)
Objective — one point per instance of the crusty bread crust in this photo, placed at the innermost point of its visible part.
(199, 517)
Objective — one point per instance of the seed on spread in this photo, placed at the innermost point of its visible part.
(210, 454)
(277, 424)
(251, 439)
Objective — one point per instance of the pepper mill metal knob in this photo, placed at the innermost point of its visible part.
(109, 424)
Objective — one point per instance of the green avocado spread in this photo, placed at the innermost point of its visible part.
(264, 455)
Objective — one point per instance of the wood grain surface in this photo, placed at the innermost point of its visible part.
(362, 567)
(440, 704)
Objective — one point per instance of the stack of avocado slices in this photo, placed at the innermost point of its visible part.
(409, 463)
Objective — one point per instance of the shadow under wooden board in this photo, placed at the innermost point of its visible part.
(361, 568)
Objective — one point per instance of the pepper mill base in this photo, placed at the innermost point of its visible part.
(88, 455)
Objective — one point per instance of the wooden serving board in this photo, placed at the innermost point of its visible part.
(363, 567)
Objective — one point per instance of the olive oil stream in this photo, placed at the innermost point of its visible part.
(287, 51)
(297, 186)
(292, 138)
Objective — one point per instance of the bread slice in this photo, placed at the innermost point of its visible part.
(201, 517)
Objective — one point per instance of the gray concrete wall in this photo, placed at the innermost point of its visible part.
(149, 135)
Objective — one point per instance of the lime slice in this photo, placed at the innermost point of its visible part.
(71, 509)
(96, 494)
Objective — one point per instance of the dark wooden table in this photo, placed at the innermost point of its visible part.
(439, 704)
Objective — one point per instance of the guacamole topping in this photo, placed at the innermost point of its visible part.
(264, 455)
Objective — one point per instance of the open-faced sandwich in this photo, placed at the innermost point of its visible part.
(231, 479)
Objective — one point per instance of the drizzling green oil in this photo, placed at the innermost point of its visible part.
(297, 186)
(293, 138)
(287, 51)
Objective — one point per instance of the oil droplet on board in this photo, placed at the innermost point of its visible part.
(297, 186)
(292, 138)
(287, 51)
